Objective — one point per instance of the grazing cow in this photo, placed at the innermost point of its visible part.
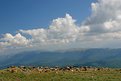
(12, 70)
(39, 70)
(83, 68)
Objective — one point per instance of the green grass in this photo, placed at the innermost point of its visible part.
(61, 76)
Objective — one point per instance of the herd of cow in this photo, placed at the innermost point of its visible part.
(14, 69)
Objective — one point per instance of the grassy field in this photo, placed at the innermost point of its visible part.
(112, 75)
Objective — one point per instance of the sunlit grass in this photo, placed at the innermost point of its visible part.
(112, 75)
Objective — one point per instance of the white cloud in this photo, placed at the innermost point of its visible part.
(60, 34)
(106, 16)
(13, 41)
(101, 29)
(61, 31)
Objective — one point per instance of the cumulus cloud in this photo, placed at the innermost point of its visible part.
(105, 17)
(61, 31)
(59, 35)
(100, 29)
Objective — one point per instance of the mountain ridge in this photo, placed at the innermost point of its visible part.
(98, 57)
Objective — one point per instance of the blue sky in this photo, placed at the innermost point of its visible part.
(29, 14)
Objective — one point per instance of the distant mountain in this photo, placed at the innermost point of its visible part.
(75, 57)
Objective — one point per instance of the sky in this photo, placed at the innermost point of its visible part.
(30, 14)
(27, 25)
